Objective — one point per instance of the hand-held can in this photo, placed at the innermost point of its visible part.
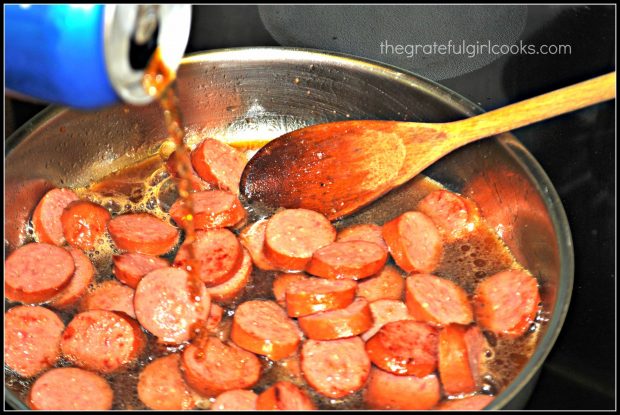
(90, 56)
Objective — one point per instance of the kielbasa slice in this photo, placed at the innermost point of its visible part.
(470, 403)
(414, 242)
(218, 253)
(454, 216)
(388, 284)
(212, 367)
(233, 288)
(36, 272)
(293, 235)
(262, 327)
(215, 317)
(110, 295)
(383, 312)
(235, 400)
(312, 295)
(46, 216)
(335, 368)
(143, 233)
(167, 307)
(129, 268)
(212, 209)
(336, 324)
(252, 237)
(478, 351)
(79, 283)
(351, 259)
(507, 303)
(31, 339)
(219, 164)
(284, 396)
(388, 391)
(161, 385)
(84, 224)
(70, 388)
(437, 300)
(404, 348)
(102, 340)
(196, 183)
(281, 283)
(454, 370)
(367, 232)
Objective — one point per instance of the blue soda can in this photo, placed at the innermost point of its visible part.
(90, 56)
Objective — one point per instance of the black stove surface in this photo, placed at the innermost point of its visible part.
(576, 150)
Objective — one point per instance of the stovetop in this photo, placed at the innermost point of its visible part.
(576, 150)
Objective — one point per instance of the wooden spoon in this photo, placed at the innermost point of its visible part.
(337, 168)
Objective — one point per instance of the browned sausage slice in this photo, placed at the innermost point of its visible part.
(218, 252)
(196, 183)
(235, 400)
(70, 388)
(414, 242)
(454, 216)
(102, 340)
(388, 284)
(31, 339)
(454, 370)
(219, 164)
(281, 283)
(36, 272)
(252, 237)
(165, 306)
(335, 368)
(84, 224)
(129, 268)
(437, 300)
(46, 216)
(507, 303)
(383, 312)
(233, 288)
(388, 391)
(215, 317)
(478, 351)
(351, 259)
(143, 233)
(311, 295)
(79, 283)
(109, 295)
(336, 324)
(212, 209)
(470, 403)
(212, 367)
(284, 396)
(264, 328)
(161, 385)
(366, 232)
(293, 235)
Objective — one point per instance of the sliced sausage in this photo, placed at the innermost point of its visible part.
(70, 388)
(454, 370)
(335, 368)
(215, 317)
(252, 237)
(414, 242)
(293, 235)
(212, 367)
(31, 339)
(235, 400)
(219, 164)
(281, 283)
(388, 391)
(351, 259)
(109, 295)
(79, 283)
(161, 385)
(437, 300)
(84, 224)
(284, 396)
(102, 340)
(478, 351)
(470, 403)
(366, 232)
(262, 327)
(166, 306)
(233, 288)
(129, 268)
(46, 216)
(212, 209)
(388, 284)
(383, 312)
(311, 295)
(336, 324)
(454, 216)
(506, 303)
(143, 233)
(36, 272)
(195, 182)
(404, 348)
(218, 253)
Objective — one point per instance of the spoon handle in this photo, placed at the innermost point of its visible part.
(532, 110)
